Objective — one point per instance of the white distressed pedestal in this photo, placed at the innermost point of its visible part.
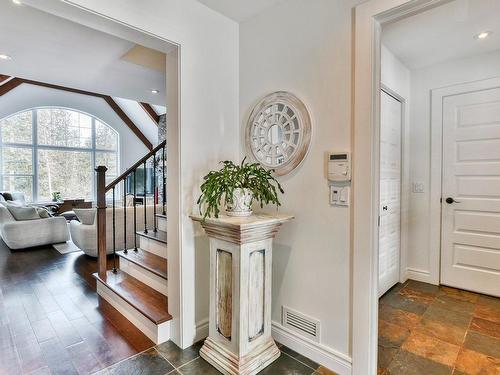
(239, 340)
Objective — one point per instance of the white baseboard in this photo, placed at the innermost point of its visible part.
(201, 330)
(419, 275)
(324, 355)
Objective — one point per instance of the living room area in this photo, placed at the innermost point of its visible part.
(64, 112)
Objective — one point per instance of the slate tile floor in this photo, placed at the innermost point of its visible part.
(167, 358)
(430, 330)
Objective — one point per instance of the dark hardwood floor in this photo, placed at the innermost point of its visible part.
(51, 320)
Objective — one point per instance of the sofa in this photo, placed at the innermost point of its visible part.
(84, 232)
(20, 234)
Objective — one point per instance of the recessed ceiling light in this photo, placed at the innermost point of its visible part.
(17, 2)
(154, 91)
(5, 57)
(483, 35)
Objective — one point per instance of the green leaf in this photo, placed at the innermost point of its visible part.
(218, 186)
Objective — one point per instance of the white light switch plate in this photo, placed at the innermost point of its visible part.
(339, 195)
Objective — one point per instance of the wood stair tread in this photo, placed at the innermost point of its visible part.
(159, 235)
(146, 260)
(146, 300)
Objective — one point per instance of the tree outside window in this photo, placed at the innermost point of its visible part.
(44, 150)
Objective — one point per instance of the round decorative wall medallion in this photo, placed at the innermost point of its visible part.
(278, 132)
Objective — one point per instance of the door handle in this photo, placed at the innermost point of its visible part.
(450, 200)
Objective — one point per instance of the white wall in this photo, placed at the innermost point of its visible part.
(305, 47)
(141, 119)
(394, 74)
(28, 96)
(208, 113)
(397, 77)
(423, 81)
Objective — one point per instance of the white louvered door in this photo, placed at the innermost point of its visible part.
(391, 112)
(470, 243)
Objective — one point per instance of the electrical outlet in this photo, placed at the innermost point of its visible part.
(418, 187)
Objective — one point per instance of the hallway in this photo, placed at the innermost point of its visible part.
(426, 329)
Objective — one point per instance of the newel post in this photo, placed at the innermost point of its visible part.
(101, 221)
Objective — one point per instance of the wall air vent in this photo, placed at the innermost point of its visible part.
(301, 323)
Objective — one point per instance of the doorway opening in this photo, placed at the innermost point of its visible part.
(451, 243)
(78, 91)
(434, 245)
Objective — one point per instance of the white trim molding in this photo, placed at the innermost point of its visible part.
(201, 330)
(419, 275)
(330, 358)
(369, 17)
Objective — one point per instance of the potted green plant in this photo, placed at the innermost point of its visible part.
(237, 187)
(56, 196)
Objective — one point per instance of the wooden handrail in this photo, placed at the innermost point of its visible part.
(134, 167)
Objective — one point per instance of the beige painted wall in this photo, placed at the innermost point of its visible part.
(305, 47)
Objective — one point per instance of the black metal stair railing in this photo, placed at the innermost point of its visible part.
(129, 177)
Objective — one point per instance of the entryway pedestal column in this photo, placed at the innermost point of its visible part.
(239, 341)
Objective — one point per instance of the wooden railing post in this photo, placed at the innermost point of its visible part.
(101, 221)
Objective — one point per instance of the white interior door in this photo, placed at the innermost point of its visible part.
(391, 112)
(470, 243)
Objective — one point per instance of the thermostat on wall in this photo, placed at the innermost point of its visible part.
(339, 166)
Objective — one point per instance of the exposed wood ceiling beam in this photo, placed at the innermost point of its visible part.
(10, 85)
(13, 83)
(128, 121)
(3, 77)
(151, 112)
(63, 88)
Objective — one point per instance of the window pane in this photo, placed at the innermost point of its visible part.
(69, 172)
(17, 160)
(22, 184)
(105, 137)
(108, 159)
(64, 128)
(17, 128)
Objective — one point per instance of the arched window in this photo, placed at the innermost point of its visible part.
(47, 150)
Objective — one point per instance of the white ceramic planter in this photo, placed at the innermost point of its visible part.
(242, 202)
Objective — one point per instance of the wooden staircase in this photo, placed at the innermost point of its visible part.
(138, 286)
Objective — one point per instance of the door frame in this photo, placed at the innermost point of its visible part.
(368, 19)
(436, 174)
(404, 200)
(177, 271)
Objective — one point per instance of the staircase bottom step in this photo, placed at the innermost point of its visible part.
(158, 332)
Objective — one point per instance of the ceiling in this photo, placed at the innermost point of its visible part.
(444, 33)
(239, 10)
(50, 49)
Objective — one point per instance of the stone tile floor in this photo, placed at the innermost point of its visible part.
(430, 330)
(169, 359)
